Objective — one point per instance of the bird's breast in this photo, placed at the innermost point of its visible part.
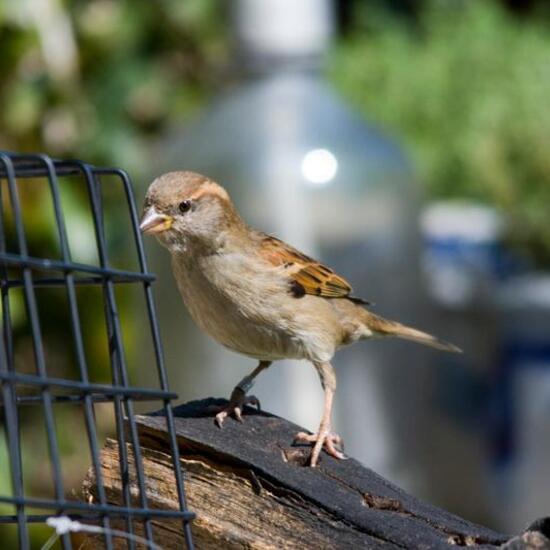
(249, 309)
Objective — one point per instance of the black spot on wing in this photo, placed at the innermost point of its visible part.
(297, 290)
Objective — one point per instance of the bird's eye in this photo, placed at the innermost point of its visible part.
(184, 206)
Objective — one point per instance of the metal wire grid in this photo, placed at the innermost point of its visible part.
(15, 167)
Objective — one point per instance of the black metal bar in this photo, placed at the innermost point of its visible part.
(30, 166)
(77, 399)
(111, 509)
(9, 391)
(54, 265)
(45, 382)
(14, 448)
(159, 356)
(121, 435)
(128, 403)
(117, 358)
(61, 281)
(40, 364)
(6, 317)
(89, 413)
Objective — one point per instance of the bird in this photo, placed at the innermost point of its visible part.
(259, 296)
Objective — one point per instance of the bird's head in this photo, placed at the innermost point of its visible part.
(184, 208)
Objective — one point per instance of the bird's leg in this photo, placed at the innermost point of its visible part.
(239, 398)
(324, 437)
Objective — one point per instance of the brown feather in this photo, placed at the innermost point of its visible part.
(305, 272)
(385, 327)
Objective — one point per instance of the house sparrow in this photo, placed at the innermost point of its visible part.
(257, 295)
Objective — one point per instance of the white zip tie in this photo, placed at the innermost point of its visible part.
(64, 525)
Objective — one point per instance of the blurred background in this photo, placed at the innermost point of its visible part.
(403, 142)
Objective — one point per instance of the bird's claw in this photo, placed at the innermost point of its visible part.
(235, 408)
(323, 439)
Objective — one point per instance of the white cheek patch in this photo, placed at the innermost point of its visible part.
(172, 241)
(178, 243)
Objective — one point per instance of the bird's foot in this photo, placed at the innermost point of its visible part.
(237, 401)
(322, 439)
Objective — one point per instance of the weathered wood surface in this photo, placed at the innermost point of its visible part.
(250, 489)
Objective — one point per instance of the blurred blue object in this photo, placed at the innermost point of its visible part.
(463, 257)
(521, 391)
(498, 393)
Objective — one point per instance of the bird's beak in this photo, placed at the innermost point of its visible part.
(153, 222)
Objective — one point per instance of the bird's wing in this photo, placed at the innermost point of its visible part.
(306, 275)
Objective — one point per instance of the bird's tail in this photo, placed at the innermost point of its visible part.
(384, 327)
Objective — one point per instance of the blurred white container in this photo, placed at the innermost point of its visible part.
(299, 163)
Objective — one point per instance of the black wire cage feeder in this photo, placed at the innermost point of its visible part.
(32, 387)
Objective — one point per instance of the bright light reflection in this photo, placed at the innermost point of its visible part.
(319, 166)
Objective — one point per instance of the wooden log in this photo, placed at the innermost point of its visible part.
(250, 488)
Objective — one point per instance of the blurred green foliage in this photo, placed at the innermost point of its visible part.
(466, 88)
(99, 79)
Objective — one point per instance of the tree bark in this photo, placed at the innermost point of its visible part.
(250, 489)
